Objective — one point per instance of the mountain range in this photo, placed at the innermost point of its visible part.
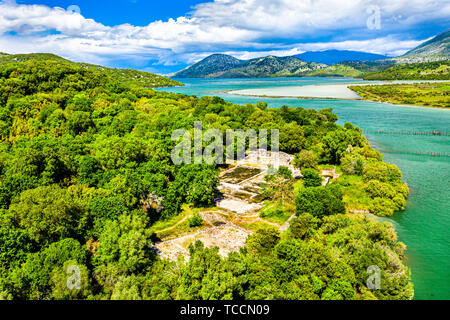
(226, 66)
(318, 63)
(330, 57)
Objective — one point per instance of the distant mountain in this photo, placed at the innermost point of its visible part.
(212, 64)
(336, 56)
(127, 76)
(225, 66)
(435, 49)
(322, 63)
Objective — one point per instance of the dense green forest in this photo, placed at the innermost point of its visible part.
(85, 171)
(436, 70)
(127, 76)
(423, 94)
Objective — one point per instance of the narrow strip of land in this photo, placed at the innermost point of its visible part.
(419, 94)
(433, 93)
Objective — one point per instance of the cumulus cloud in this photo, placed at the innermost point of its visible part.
(246, 28)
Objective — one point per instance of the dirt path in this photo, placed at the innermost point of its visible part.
(286, 225)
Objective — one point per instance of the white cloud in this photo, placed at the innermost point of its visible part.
(233, 26)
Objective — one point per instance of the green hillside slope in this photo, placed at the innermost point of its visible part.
(435, 49)
(437, 70)
(145, 79)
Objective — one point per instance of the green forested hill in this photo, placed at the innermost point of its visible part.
(225, 66)
(352, 68)
(11, 58)
(145, 79)
(437, 70)
(212, 65)
(336, 70)
(86, 170)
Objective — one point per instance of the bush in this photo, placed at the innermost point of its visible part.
(263, 240)
(382, 207)
(381, 171)
(320, 201)
(304, 226)
(353, 164)
(375, 188)
(305, 159)
(285, 172)
(311, 178)
(195, 221)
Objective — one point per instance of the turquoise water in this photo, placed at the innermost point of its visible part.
(425, 225)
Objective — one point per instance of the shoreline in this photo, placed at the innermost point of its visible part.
(339, 95)
(315, 98)
(280, 97)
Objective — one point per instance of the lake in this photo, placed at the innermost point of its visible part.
(425, 225)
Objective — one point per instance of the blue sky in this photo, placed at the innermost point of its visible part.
(165, 36)
(114, 12)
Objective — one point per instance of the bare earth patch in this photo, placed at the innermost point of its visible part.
(239, 207)
(222, 233)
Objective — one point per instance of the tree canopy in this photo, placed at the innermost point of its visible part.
(85, 170)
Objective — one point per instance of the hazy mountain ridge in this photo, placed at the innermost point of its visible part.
(331, 57)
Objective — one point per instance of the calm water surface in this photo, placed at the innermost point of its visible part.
(425, 225)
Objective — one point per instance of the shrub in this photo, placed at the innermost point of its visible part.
(305, 159)
(311, 178)
(304, 226)
(320, 201)
(284, 172)
(353, 164)
(382, 207)
(381, 171)
(195, 221)
(263, 240)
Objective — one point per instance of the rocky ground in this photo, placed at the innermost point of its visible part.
(238, 206)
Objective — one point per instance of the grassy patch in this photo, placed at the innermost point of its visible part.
(275, 213)
(423, 94)
(254, 225)
(297, 186)
(355, 197)
(176, 225)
